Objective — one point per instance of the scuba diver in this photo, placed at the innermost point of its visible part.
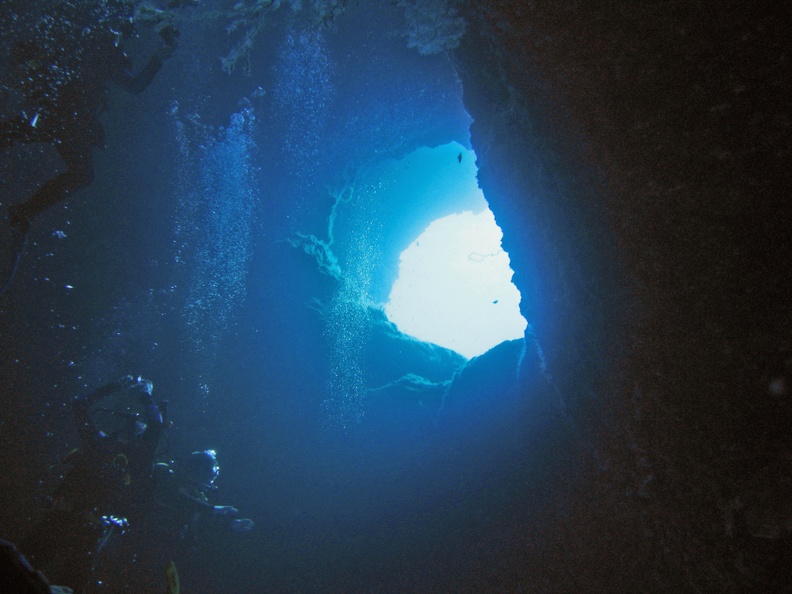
(183, 493)
(109, 479)
(180, 516)
(62, 73)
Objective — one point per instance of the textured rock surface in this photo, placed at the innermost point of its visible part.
(637, 157)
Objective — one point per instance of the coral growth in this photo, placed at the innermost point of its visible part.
(431, 26)
(320, 249)
(247, 19)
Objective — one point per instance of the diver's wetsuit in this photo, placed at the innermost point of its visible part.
(186, 507)
(108, 478)
(71, 121)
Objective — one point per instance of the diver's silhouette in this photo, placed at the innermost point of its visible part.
(184, 493)
(63, 95)
(110, 478)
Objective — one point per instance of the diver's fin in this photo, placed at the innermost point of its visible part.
(173, 578)
(12, 256)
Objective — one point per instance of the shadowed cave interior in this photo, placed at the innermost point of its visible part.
(240, 241)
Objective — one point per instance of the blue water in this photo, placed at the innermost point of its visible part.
(233, 251)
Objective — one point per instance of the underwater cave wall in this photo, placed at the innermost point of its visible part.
(636, 157)
(546, 196)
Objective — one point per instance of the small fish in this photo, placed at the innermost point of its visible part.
(459, 157)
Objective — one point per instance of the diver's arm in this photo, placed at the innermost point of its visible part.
(122, 383)
(86, 429)
(137, 83)
(194, 504)
(225, 514)
(151, 412)
(241, 525)
(228, 515)
(152, 416)
(199, 504)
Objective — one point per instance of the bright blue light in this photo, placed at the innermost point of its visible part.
(454, 287)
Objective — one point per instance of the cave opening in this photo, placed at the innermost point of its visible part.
(352, 146)
(375, 150)
(454, 284)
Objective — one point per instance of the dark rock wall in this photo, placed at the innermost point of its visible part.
(637, 157)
